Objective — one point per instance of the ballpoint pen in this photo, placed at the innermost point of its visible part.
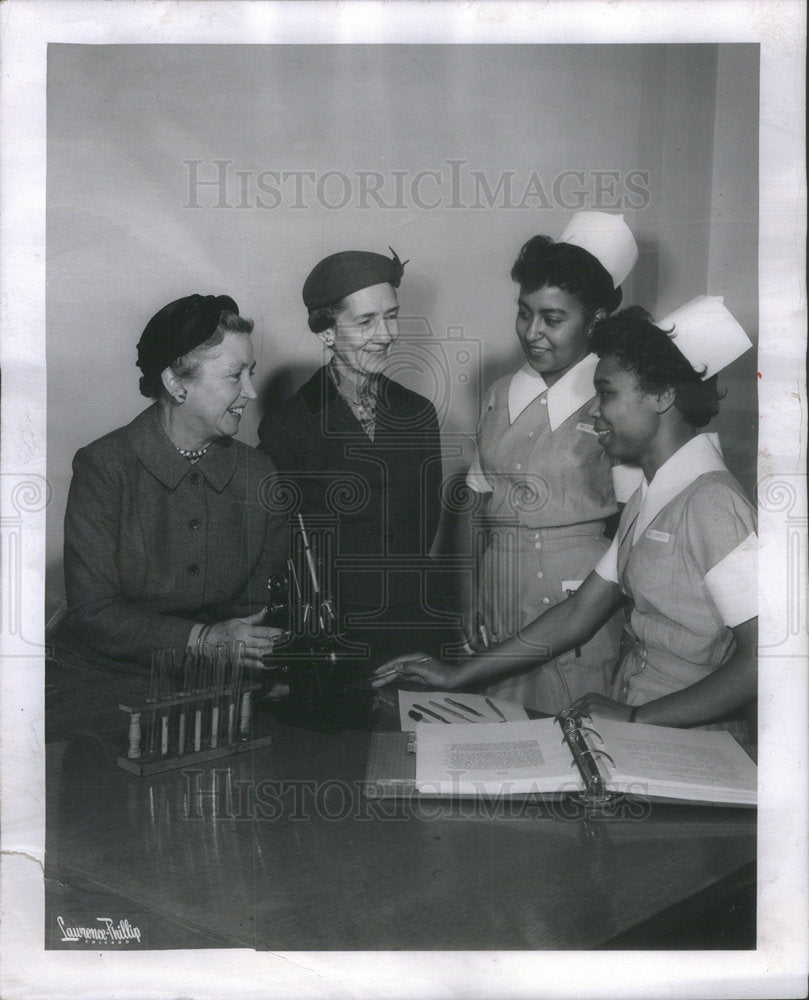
(466, 708)
(429, 711)
(451, 711)
(495, 709)
(417, 716)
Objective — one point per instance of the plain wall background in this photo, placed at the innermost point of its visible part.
(125, 122)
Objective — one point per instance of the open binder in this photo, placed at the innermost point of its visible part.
(595, 761)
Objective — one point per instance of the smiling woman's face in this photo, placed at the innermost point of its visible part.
(364, 330)
(219, 391)
(553, 328)
(625, 417)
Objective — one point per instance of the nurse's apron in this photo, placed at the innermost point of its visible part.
(551, 492)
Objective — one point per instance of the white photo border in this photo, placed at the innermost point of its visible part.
(778, 967)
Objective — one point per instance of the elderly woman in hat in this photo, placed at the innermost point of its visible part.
(167, 542)
(364, 454)
(683, 562)
(548, 486)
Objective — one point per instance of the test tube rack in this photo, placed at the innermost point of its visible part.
(209, 717)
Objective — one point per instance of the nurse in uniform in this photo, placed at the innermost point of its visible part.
(683, 562)
(548, 482)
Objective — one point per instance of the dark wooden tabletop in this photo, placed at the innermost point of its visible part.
(280, 850)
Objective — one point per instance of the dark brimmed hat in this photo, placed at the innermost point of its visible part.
(343, 273)
(178, 328)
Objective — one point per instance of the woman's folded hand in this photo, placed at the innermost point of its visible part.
(258, 639)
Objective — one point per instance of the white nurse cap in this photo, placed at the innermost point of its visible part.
(607, 237)
(706, 334)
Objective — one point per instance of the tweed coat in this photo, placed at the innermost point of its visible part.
(154, 544)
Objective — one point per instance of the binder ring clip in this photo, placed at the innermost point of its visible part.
(565, 717)
(592, 753)
(595, 797)
(584, 729)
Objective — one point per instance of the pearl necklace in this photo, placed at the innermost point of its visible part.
(192, 456)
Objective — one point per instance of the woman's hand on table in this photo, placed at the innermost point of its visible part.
(415, 667)
(598, 706)
(258, 639)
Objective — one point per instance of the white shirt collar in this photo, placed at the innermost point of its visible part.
(701, 454)
(566, 396)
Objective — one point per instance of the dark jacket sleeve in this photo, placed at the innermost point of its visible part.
(98, 611)
(434, 477)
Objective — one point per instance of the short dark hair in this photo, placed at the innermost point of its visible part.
(575, 270)
(188, 365)
(631, 337)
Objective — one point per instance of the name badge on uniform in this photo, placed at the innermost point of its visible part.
(658, 536)
(587, 428)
